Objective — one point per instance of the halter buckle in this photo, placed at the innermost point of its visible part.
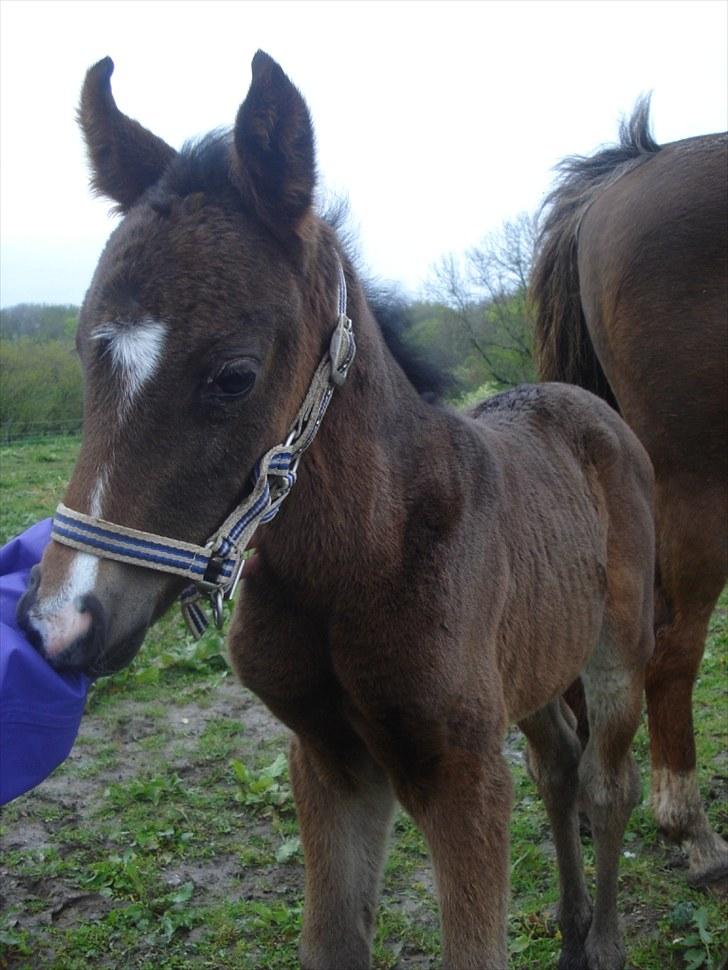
(341, 350)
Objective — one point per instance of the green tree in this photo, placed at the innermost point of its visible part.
(40, 375)
(484, 296)
(40, 321)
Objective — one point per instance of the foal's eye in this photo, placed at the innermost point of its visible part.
(234, 380)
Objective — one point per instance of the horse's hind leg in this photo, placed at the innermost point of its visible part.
(554, 754)
(692, 570)
(345, 814)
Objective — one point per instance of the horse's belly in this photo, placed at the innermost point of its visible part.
(554, 609)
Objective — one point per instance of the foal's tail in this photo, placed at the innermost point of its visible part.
(563, 348)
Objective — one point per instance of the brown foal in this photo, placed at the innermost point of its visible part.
(432, 576)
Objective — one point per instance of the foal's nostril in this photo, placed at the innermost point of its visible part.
(92, 604)
(34, 579)
(83, 653)
(25, 603)
(70, 636)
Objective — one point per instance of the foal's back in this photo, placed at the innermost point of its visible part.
(574, 514)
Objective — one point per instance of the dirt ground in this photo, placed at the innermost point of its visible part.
(53, 838)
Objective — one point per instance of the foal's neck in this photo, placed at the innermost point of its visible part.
(383, 457)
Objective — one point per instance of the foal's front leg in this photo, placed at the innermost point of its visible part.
(345, 814)
(343, 799)
(463, 808)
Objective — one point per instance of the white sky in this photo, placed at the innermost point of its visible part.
(438, 119)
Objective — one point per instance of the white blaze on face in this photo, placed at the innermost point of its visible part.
(59, 618)
(136, 351)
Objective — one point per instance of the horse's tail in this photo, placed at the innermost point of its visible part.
(563, 348)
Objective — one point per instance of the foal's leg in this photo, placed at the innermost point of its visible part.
(463, 807)
(345, 814)
(554, 754)
(691, 552)
(344, 801)
(609, 789)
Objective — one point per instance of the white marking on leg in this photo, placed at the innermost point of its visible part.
(678, 809)
(136, 352)
(674, 798)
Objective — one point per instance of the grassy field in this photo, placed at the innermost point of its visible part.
(168, 839)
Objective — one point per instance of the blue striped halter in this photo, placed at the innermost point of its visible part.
(215, 568)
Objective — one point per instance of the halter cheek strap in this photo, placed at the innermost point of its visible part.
(215, 568)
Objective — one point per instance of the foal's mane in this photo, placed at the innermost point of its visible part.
(563, 349)
(203, 166)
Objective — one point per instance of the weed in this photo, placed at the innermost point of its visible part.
(13, 939)
(264, 789)
(699, 944)
(153, 790)
(117, 875)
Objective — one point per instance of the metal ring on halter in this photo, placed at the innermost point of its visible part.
(216, 604)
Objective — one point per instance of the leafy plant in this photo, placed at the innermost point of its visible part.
(117, 875)
(698, 944)
(288, 849)
(265, 788)
(152, 790)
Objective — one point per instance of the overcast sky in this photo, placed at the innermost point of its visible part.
(437, 120)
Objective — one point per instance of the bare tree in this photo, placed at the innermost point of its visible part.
(486, 295)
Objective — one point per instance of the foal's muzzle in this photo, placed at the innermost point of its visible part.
(97, 629)
(85, 621)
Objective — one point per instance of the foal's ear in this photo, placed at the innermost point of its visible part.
(125, 158)
(274, 151)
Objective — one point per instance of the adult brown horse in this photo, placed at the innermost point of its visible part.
(430, 577)
(631, 284)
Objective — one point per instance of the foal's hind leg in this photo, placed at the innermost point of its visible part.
(610, 785)
(554, 754)
(345, 814)
(692, 560)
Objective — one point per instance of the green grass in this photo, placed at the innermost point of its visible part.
(33, 478)
(168, 840)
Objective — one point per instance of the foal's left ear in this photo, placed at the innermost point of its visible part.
(274, 150)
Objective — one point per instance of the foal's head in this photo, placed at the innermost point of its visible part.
(205, 320)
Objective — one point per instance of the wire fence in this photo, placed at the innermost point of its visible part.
(31, 432)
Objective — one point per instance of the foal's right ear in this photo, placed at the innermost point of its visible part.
(274, 163)
(126, 159)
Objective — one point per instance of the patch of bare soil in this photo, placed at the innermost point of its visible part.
(70, 796)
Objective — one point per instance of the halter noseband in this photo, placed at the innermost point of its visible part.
(215, 568)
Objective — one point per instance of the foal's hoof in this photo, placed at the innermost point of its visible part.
(605, 953)
(573, 958)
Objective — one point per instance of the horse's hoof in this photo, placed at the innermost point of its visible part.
(714, 879)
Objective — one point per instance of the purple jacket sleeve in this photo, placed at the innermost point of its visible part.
(40, 709)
